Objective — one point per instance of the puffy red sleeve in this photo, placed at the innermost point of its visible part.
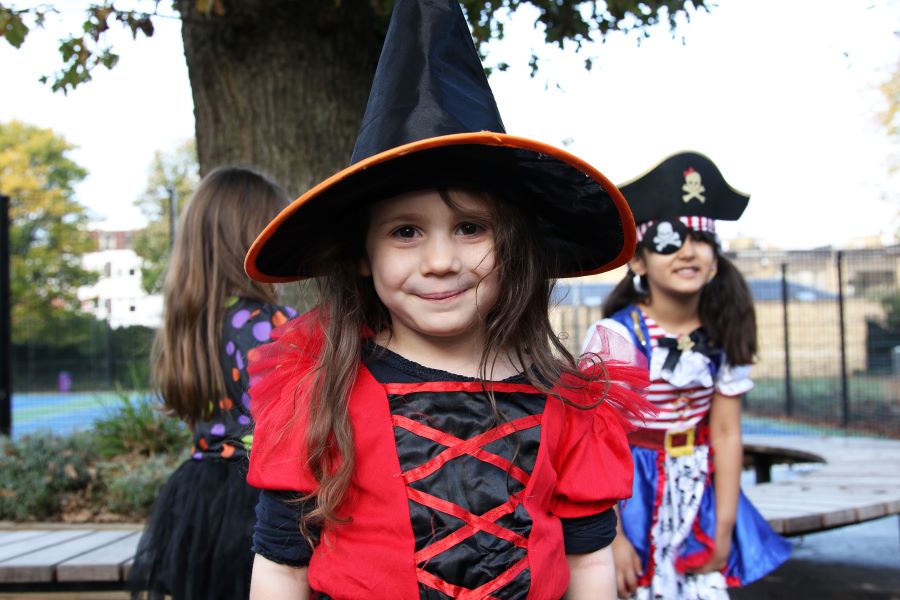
(593, 459)
(278, 378)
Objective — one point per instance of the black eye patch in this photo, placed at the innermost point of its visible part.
(665, 237)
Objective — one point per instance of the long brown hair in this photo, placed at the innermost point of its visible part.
(518, 322)
(726, 305)
(230, 207)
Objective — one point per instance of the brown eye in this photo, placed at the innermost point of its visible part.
(469, 229)
(405, 232)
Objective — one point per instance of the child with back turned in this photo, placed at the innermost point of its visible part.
(688, 533)
(422, 433)
(197, 540)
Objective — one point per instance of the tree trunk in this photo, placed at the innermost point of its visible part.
(281, 85)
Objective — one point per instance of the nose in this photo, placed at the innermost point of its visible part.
(440, 257)
(687, 248)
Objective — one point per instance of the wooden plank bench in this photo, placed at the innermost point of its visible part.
(858, 481)
(65, 560)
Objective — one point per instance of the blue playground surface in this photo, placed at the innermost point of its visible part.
(61, 413)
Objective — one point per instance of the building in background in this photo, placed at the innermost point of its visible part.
(117, 296)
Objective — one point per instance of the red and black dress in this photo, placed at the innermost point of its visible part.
(449, 499)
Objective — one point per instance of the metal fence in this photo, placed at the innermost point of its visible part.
(105, 359)
(829, 334)
(65, 388)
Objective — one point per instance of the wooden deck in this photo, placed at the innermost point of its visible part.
(859, 481)
(65, 560)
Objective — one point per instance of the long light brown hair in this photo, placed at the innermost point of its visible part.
(230, 207)
(518, 323)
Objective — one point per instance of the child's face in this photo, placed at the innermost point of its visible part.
(682, 273)
(433, 264)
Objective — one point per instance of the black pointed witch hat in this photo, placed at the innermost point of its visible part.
(432, 121)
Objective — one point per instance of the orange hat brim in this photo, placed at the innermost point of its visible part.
(266, 261)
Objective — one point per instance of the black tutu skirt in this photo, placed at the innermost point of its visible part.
(196, 544)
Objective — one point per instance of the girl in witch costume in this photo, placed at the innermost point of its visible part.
(422, 433)
(196, 543)
(688, 532)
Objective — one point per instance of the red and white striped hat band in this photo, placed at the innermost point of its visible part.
(694, 222)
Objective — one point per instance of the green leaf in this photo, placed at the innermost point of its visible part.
(108, 59)
(12, 27)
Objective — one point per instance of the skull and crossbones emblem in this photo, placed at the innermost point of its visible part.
(666, 236)
(693, 186)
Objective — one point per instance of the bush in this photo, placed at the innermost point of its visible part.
(47, 477)
(38, 471)
(138, 426)
(143, 446)
(131, 489)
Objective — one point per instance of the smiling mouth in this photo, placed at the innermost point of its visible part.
(437, 296)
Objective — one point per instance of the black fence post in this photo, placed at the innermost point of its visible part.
(5, 321)
(788, 389)
(845, 392)
(108, 363)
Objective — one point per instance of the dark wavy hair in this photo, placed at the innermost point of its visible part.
(348, 304)
(726, 305)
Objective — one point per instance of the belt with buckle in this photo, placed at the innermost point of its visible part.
(672, 442)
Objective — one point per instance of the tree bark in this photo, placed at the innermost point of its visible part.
(281, 85)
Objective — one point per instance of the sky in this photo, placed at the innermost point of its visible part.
(782, 94)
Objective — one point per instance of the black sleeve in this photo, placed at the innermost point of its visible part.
(276, 534)
(589, 534)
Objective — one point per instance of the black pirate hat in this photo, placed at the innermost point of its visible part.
(684, 191)
(432, 121)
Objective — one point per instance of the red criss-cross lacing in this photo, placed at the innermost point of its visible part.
(474, 447)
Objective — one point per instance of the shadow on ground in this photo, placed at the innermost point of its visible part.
(860, 562)
(800, 579)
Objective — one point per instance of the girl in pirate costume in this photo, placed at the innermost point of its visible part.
(422, 433)
(688, 531)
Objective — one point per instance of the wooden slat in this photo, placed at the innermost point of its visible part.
(802, 524)
(126, 568)
(18, 535)
(807, 503)
(102, 564)
(40, 565)
(44, 540)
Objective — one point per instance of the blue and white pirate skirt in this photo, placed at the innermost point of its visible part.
(671, 519)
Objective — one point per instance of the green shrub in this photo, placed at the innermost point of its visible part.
(138, 426)
(45, 476)
(37, 471)
(131, 489)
